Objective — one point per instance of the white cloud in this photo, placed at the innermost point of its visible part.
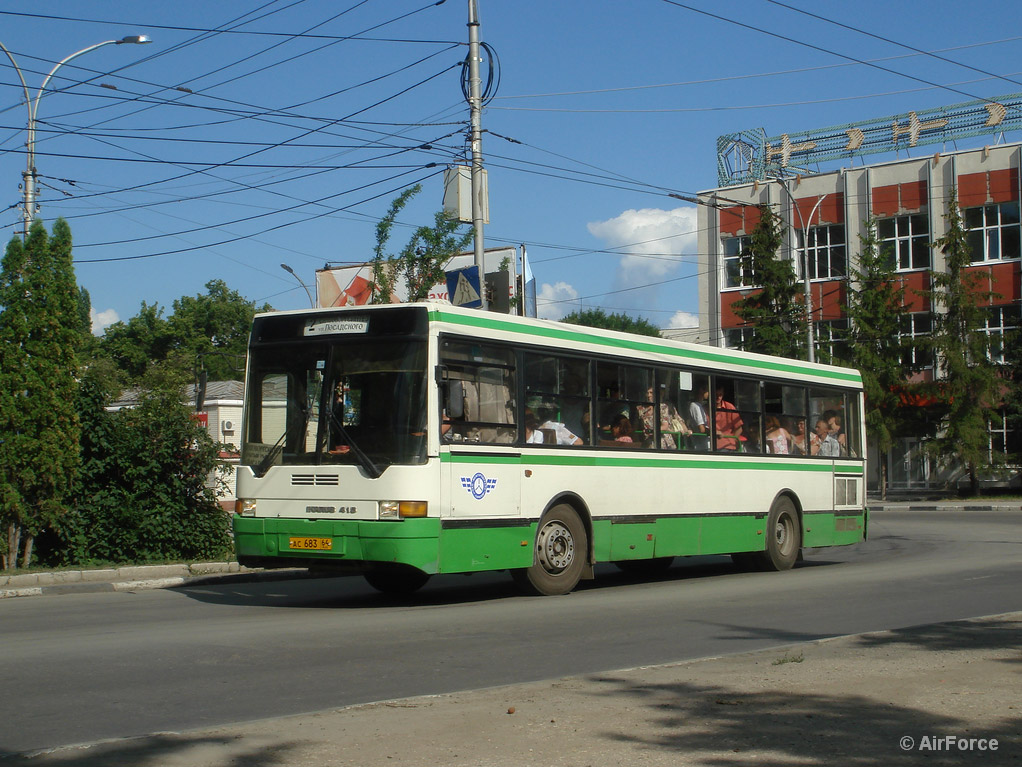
(683, 320)
(554, 301)
(652, 242)
(102, 320)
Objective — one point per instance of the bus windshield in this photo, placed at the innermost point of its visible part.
(320, 402)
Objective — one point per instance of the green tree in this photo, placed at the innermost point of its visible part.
(207, 331)
(420, 264)
(213, 329)
(40, 334)
(597, 318)
(876, 301)
(1012, 395)
(776, 307)
(968, 385)
(143, 493)
(134, 345)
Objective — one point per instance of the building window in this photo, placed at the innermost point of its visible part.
(993, 231)
(738, 338)
(826, 253)
(1003, 440)
(736, 275)
(831, 339)
(914, 327)
(999, 321)
(907, 240)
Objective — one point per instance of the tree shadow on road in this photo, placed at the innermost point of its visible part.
(720, 726)
(999, 633)
(159, 751)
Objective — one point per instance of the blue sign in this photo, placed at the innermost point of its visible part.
(463, 287)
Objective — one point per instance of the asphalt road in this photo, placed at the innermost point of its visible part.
(84, 667)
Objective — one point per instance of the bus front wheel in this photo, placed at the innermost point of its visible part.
(784, 537)
(559, 558)
(396, 579)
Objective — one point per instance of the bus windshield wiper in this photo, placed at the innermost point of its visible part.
(364, 460)
(278, 446)
(271, 456)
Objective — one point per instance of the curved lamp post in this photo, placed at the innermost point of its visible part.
(29, 174)
(291, 271)
(811, 352)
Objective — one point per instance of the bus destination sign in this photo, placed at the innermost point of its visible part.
(321, 326)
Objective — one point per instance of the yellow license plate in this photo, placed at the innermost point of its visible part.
(313, 544)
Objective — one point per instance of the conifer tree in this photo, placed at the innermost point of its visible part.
(776, 308)
(968, 385)
(40, 331)
(875, 303)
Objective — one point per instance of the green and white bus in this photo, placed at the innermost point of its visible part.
(404, 441)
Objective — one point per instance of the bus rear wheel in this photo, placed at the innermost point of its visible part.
(396, 579)
(784, 537)
(559, 558)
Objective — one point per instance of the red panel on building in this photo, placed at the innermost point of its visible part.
(913, 196)
(913, 283)
(972, 190)
(752, 217)
(728, 318)
(885, 200)
(829, 296)
(731, 220)
(1001, 279)
(739, 219)
(1004, 185)
(831, 210)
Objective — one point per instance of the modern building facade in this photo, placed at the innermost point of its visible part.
(824, 215)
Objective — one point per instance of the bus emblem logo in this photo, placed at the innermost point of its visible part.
(478, 485)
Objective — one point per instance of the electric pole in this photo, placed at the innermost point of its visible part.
(476, 108)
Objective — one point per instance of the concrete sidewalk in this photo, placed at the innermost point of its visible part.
(947, 694)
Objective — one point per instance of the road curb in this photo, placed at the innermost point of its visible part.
(87, 581)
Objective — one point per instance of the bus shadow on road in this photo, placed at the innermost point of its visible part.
(352, 592)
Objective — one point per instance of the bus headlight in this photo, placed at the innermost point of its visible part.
(245, 507)
(402, 509)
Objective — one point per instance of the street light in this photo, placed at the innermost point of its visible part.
(29, 174)
(291, 271)
(805, 265)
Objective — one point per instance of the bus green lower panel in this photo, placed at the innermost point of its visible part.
(475, 549)
(680, 536)
(412, 542)
(833, 529)
(632, 540)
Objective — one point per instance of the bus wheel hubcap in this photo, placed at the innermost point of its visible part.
(556, 547)
(783, 535)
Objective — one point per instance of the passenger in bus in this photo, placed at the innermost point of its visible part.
(533, 436)
(797, 431)
(698, 421)
(612, 407)
(621, 429)
(823, 442)
(778, 438)
(835, 424)
(562, 435)
(671, 423)
(727, 424)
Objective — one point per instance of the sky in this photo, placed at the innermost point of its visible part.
(250, 135)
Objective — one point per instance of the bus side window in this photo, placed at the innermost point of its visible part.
(478, 402)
